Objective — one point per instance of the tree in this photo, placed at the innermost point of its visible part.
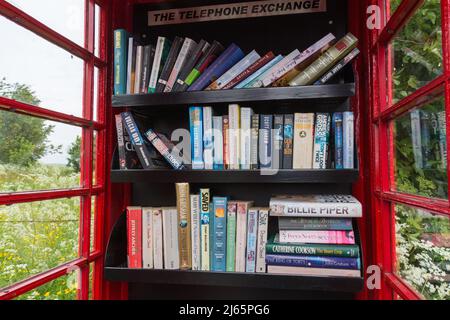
(73, 160)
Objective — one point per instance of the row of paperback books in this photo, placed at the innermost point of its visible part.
(185, 65)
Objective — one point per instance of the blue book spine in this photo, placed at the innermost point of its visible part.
(120, 61)
(252, 229)
(313, 262)
(258, 72)
(265, 141)
(219, 262)
(224, 62)
(196, 128)
(211, 236)
(338, 140)
(218, 143)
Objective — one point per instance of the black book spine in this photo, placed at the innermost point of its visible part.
(120, 143)
(137, 140)
(265, 141)
(170, 62)
(288, 141)
(278, 141)
(149, 54)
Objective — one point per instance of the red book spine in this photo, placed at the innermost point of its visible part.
(226, 151)
(134, 230)
(250, 70)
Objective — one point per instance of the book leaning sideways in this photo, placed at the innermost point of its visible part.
(137, 140)
(342, 206)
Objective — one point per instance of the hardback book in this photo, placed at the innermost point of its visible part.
(348, 140)
(131, 65)
(218, 143)
(120, 61)
(254, 143)
(321, 272)
(274, 246)
(226, 141)
(134, 231)
(205, 61)
(260, 73)
(245, 137)
(191, 60)
(241, 234)
(208, 145)
(316, 206)
(148, 56)
(252, 233)
(162, 50)
(263, 223)
(303, 141)
(234, 139)
(184, 225)
(442, 138)
(183, 56)
(136, 139)
(321, 140)
(138, 71)
(278, 141)
(338, 140)
(120, 143)
(325, 62)
(147, 238)
(170, 238)
(265, 141)
(288, 141)
(296, 223)
(224, 62)
(205, 228)
(313, 262)
(231, 235)
(234, 71)
(196, 128)
(195, 231)
(166, 148)
(338, 67)
(416, 138)
(258, 64)
(158, 253)
(169, 63)
(317, 236)
(284, 75)
(220, 234)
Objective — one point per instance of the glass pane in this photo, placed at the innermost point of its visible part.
(93, 221)
(394, 5)
(64, 16)
(91, 281)
(37, 236)
(97, 30)
(417, 51)
(423, 251)
(94, 158)
(63, 288)
(95, 96)
(34, 71)
(421, 151)
(36, 154)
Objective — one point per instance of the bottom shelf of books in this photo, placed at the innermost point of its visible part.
(304, 243)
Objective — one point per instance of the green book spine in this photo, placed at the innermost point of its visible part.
(231, 236)
(348, 251)
(192, 77)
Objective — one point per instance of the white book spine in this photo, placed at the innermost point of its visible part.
(252, 234)
(130, 63)
(218, 143)
(156, 64)
(157, 239)
(139, 62)
(348, 126)
(195, 231)
(263, 221)
(282, 64)
(147, 238)
(313, 271)
(303, 140)
(245, 135)
(234, 136)
(208, 145)
(185, 50)
(170, 238)
(321, 141)
(241, 236)
(239, 67)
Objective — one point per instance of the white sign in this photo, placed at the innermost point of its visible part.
(234, 11)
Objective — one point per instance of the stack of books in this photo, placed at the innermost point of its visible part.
(315, 236)
(183, 64)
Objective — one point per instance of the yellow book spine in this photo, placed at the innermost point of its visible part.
(184, 225)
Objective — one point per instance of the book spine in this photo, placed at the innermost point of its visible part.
(220, 234)
(234, 135)
(195, 232)
(254, 143)
(252, 232)
(205, 244)
(321, 140)
(285, 223)
(185, 51)
(338, 67)
(147, 238)
(131, 157)
(241, 235)
(169, 63)
(211, 236)
(252, 79)
(131, 65)
(196, 128)
(288, 141)
(317, 236)
(136, 139)
(279, 68)
(184, 225)
(156, 64)
(208, 144)
(158, 260)
(347, 251)
(120, 61)
(218, 143)
(313, 262)
(442, 138)
(145, 74)
(231, 235)
(134, 229)
(263, 222)
(338, 140)
(226, 142)
(170, 238)
(311, 272)
(245, 137)
(120, 143)
(278, 141)
(164, 150)
(348, 140)
(303, 140)
(265, 141)
(138, 71)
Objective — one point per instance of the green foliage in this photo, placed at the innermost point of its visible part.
(73, 160)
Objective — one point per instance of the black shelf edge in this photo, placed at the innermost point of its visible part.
(230, 279)
(331, 91)
(234, 176)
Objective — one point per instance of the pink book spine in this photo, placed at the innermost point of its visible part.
(321, 237)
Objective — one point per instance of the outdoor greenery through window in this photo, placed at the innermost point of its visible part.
(63, 288)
